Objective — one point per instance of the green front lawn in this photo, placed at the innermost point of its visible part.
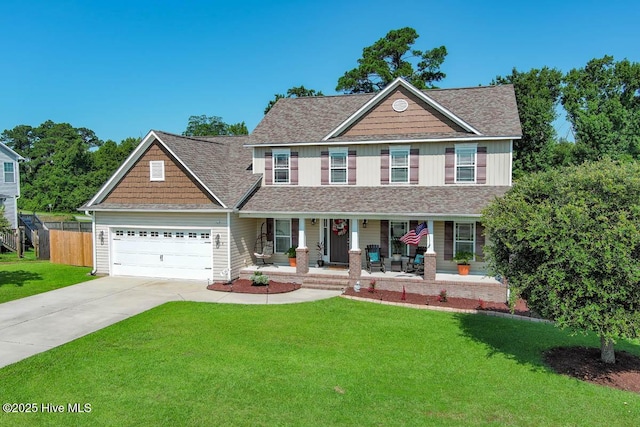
(328, 363)
(26, 277)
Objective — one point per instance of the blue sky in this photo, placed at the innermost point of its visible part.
(122, 68)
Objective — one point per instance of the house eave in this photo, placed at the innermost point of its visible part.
(387, 141)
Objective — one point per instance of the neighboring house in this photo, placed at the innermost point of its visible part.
(9, 183)
(347, 171)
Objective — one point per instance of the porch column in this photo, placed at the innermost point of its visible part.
(355, 254)
(302, 252)
(430, 239)
(355, 239)
(430, 256)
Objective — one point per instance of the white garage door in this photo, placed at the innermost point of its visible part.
(173, 254)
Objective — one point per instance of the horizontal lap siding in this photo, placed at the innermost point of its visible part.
(243, 237)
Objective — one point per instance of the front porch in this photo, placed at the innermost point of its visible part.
(328, 277)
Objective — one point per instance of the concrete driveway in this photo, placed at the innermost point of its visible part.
(38, 323)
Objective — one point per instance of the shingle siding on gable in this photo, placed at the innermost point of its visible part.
(419, 117)
(177, 187)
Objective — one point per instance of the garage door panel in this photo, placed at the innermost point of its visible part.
(185, 254)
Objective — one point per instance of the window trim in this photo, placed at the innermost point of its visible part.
(275, 235)
(274, 166)
(466, 148)
(343, 152)
(407, 151)
(472, 241)
(156, 166)
(12, 172)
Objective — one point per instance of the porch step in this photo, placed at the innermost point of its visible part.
(327, 283)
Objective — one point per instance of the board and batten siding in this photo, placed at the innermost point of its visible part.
(215, 222)
(431, 163)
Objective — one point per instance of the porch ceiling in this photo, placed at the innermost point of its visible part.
(444, 201)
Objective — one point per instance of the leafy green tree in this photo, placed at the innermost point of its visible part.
(108, 158)
(294, 92)
(4, 222)
(537, 95)
(568, 241)
(603, 105)
(213, 125)
(389, 58)
(58, 160)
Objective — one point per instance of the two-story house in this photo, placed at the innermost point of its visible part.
(344, 171)
(9, 183)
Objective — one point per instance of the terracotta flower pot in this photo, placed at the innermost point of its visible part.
(292, 262)
(463, 269)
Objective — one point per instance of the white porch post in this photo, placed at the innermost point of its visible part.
(302, 253)
(355, 240)
(355, 254)
(430, 247)
(302, 235)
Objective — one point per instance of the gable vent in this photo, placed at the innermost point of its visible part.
(156, 168)
(400, 105)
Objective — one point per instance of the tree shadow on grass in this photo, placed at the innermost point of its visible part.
(520, 340)
(18, 278)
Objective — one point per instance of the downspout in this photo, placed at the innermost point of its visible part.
(228, 246)
(93, 243)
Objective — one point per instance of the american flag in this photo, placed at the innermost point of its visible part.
(413, 236)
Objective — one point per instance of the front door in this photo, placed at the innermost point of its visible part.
(339, 241)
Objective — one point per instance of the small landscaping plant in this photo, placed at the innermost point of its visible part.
(372, 286)
(259, 279)
(291, 253)
(442, 297)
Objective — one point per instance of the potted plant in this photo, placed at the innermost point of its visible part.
(291, 253)
(462, 258)
(397, 247)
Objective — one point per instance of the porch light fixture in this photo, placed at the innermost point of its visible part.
(313, 221)
(364, 223)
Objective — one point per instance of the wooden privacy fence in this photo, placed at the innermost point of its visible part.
(71, 247)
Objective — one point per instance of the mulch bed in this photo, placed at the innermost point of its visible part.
(244, 286)
(584, 364)
(434, 300)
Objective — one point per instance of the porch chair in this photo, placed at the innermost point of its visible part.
(416, 262)
(265, 253)
(374, 258)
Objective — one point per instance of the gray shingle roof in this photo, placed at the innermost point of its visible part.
(222, 163)
(492, 110)
(405, 200)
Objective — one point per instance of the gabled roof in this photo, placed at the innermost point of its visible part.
(10, 152)
(378, 97)
(221, 165)
(484, 111)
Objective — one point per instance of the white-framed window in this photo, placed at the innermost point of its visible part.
(466, 163)
(281, 166)
(399, 165)
(282, 235)
(338, 165)
(464, 237)
(156, 170)
(9, 172)
(397, 229)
